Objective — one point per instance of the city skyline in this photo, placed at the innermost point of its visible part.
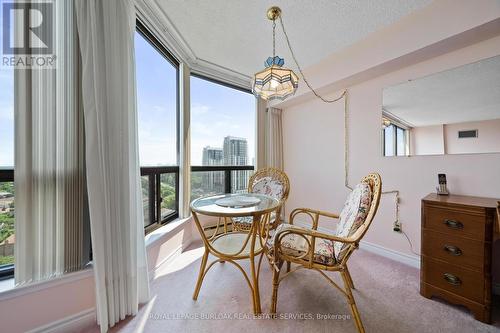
(218, 111)
(234, 151)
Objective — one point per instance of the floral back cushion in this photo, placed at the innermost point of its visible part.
(296, 246)
(353, 215)
(269, 186)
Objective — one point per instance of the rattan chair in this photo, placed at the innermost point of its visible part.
(270, 181)
(321, 251)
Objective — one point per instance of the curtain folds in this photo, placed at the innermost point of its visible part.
(106, 34)
(260, 132)
(274, 138)
(269, 136)
(273, 147)
(49, 160)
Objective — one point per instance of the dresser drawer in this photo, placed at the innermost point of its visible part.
(455, 250)
(454, 222)
(455, 279)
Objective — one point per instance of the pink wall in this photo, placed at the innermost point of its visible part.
(439, 139)
(47, 304)
(427, 140)
(488, 139)
(314, 148)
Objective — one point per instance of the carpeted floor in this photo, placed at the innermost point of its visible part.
(387, 296)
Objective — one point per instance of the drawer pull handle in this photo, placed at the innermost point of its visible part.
(452, 279)
(453, 250)
(453, 224)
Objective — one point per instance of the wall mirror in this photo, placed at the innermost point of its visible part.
(452, 112)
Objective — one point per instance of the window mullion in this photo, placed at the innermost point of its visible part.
(184, 194)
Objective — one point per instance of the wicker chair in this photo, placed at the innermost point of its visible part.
(291, 243)
(270, 181)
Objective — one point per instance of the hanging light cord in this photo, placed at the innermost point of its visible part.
(302, 72)
(346, 141)
(344, 95)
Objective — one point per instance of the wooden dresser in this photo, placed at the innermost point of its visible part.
(457, 236)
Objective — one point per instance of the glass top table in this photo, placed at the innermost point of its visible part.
(231, 246)
(210, 205)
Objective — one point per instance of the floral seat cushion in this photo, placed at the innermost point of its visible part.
(296, 246)
(328, 252)
(353, 215)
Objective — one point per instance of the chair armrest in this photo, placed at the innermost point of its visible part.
(314, 214)
(313, 234)
(309, 236)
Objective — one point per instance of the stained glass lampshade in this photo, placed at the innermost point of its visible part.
(276, 81)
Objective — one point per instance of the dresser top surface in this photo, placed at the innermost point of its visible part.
(462, 200)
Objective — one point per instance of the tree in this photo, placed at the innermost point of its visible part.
(7, 187)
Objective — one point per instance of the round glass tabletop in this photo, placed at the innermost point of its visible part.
(209, 206)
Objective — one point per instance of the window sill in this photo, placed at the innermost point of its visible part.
(169, 228)
(46, 284)
(7, 289)
(6, 284)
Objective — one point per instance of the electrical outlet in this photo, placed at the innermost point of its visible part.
(397, 226)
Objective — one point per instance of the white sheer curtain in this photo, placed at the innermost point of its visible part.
(106, 34)
(49, 161)
(269, 132)
(274, 138)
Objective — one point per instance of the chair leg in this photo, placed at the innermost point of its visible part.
(352, 303)
(201, 274)
(274, 298)
(349, 278)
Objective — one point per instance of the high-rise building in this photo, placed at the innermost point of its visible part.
(213, 182)
(236, 153)
(213, 156)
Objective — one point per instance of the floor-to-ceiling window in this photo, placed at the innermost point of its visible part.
(157, 75)
(222, 137)
(7, 236)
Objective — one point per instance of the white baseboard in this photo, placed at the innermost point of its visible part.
(74, 323)
(407, 259)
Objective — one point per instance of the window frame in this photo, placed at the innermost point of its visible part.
(227, 85)
(154, 179)
(154, 173)
(7, 270)
(406, 138)
(227, 169)
(222, 83)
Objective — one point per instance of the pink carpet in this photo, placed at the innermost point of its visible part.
(387, 296)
